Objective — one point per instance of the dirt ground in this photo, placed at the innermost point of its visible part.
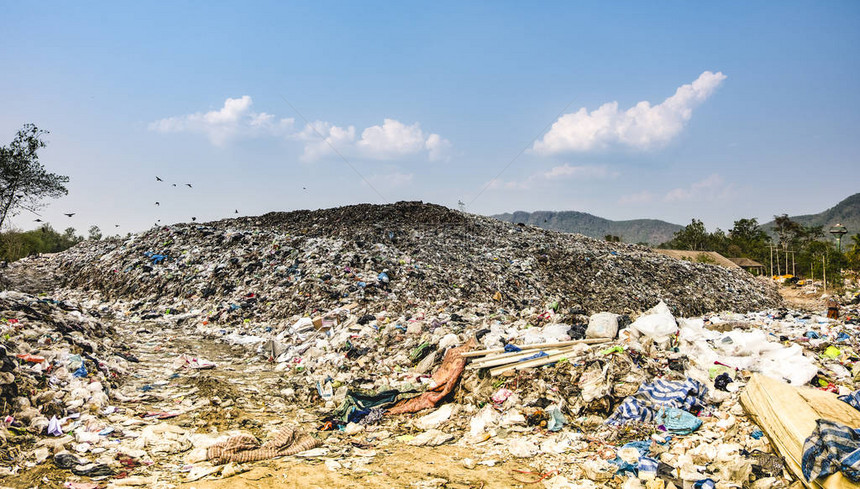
(400, 466)
(803, 298)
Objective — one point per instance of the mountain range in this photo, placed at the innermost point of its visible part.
(651, 231)
(655, 231)
(846, 213)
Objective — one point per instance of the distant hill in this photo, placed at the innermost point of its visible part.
(846, 213)
(650, 231)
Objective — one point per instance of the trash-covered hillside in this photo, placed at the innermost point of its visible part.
(394, 255)
(409, 345)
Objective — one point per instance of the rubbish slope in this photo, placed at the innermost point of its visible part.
(392, 256)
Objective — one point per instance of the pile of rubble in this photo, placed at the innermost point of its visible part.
(192, 351)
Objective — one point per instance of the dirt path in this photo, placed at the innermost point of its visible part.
(398, 466)
(244, 393)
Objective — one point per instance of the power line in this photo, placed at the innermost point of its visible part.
(521, 152)
(325, 140)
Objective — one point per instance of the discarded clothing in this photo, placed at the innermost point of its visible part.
(647, 465)
(373, 416)
(643, 406)
(445, 378)
(357, 404)
(853, 399)
(245, 448)
(830, 448)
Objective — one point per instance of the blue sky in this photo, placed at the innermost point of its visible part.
(668, 110)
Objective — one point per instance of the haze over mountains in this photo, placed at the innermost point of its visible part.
(655, 231)
(651, 231)
(846, 212)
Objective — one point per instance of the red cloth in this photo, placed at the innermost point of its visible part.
(446, 378)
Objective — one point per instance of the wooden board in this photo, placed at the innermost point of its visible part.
(538, 346)
(787, 416)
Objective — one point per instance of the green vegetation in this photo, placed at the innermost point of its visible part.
(24, 182)
(15, 245)
(798, 250)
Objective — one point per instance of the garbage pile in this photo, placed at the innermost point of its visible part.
(395, 256)
(58, 363)
(341, 337)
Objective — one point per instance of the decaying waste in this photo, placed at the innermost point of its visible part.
(345, 335)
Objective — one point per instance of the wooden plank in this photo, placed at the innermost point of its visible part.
(537, 362)
(539, 346)
(787, 415)
(509, 359)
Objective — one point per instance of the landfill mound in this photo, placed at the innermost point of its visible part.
(409, 345)
(285, 263)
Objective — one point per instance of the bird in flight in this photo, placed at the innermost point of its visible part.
(189, 185)
(70, 214)
(158, 203)
(158, 178)
(37, 220)
(116, 225)
(304, 188)
(193, 218)
(174, 184)
(236, 211)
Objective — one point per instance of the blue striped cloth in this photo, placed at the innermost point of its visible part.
(830, 448)
(647, 465)
(644, 405)
(853, 399)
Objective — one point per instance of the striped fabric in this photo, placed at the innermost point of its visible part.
(831, 447)
(853, 399)
(644, 405)
(245, 448)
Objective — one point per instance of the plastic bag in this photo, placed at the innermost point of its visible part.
(602, 325)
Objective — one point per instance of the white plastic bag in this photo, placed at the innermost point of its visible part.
(602, 325)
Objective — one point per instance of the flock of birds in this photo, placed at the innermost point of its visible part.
(158, 179)
(157, 203)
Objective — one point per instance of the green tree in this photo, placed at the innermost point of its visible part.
(853, 254)
(95, 233)
(748, 239)
(24, 182)
(787, 230)
(693, 237)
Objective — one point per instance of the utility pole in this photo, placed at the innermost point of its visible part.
(771, 260)
(778, 269)
(824, 266)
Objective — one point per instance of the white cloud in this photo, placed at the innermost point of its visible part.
(393, 139)
(235, 119)
(711, 188)
(437, 147)
(642, 126)
(320, 136)
(562, 172)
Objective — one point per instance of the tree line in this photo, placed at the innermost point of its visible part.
(799, 250)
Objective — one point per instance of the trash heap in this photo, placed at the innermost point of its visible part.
(339, 337)
(58, 364)
(394, 256)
